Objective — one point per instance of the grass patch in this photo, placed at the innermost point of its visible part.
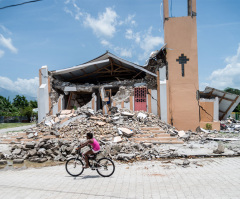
(12, 125)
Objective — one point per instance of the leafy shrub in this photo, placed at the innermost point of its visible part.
(209, 126)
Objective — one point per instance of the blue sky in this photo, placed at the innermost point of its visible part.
(65, 33)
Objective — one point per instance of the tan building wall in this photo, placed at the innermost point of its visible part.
(215, 125)
(207, 115)
(180, 35)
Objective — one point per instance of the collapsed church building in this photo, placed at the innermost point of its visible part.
(166, 86)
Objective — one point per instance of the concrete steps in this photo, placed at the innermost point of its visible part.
(152, 135)
(155, 135)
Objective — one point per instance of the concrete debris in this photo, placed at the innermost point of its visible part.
(124, 135)
(126, 132)
(117, 139)
(220, 149)
(127, 114)
(141, 115)
(3, 162)
(18, 161)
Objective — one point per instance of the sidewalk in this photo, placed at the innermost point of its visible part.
(20, 128)
(212, 178)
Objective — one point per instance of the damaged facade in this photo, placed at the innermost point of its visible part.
(166, 86)
(103, 83)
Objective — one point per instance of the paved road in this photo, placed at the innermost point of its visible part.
(217, 178)
(17, 128)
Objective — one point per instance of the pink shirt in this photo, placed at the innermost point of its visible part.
(95, 145)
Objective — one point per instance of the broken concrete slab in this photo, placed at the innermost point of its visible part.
(65, 112)
(127, 114)
(126, 132)
(117, 139)
(124, 156)
(141, 115)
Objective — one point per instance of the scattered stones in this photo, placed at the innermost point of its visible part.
(186, 162)
(42, 160)
(30, 145)
(17, 151)
(2, 156)
(3, 162)
(220, 149)
(124, 156)
(18, 161)
(31, 135)
(121, 136)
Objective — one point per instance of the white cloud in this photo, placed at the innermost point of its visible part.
(106, 43)
(1, 53)
(128, 21)
(229, 75)
(145, 41)
(7, 43)
(123, 52)
(22, 86)
(104, 25)
(5, 29)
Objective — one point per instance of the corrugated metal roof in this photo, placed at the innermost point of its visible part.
(227, 101)
(91, 67)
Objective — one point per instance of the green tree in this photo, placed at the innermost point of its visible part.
(6, 107)
(27, 111)
(234, 91)
(20, 101)
(33, 104)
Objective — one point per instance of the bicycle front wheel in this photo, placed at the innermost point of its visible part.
(105, 167)
(74, 167)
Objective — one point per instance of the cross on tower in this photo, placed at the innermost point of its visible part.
(182, 60)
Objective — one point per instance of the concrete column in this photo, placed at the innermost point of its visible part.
(191, 7)
(43, 96)
(165, 9)
(216, 110)
(163, 94)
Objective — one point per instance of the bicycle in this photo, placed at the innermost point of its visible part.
(74, 166)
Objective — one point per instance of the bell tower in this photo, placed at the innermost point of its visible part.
(180, 36)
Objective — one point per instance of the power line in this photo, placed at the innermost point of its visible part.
(19, 4)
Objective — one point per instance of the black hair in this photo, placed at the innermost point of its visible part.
(90, 135)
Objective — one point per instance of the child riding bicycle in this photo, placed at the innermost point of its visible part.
(95, 148)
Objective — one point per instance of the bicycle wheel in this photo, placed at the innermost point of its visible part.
(74, 167)
(105, 167)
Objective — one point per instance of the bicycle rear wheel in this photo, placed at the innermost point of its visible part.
(105, 167)
(74, 167)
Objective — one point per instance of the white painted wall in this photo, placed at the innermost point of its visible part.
(163, 93)
(43, 102)
(127, 105)
(43, 97)
(55, 108)
(154, 102)
(95, 106)
(216, 109)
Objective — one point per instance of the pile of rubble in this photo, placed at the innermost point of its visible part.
(57, 137)
(230, 126)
